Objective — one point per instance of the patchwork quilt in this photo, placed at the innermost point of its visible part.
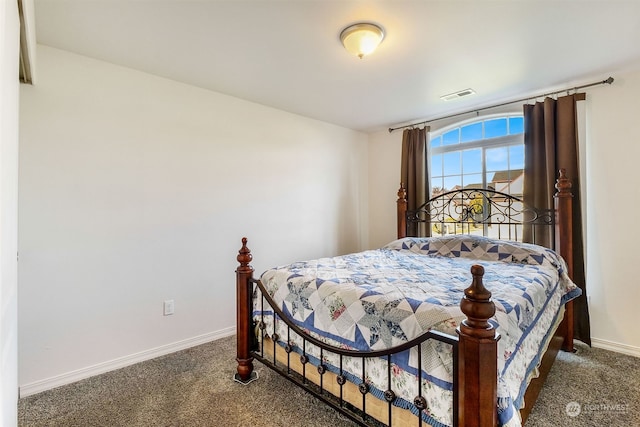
(382, 298)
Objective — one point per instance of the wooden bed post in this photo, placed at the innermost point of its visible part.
(244, 288)
(477, 357)
(563, 203)
(402, 211)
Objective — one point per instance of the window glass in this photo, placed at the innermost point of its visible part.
(474, 180)
(472, 161)
(452, 182)
(497, 159)
(451, 137)
(495, 128)
(452, 164)
(436, 165)
(437, 186)
(471, 132)
(516, 157)
(516, 125)
(496, 156)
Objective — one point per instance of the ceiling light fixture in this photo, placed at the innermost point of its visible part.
(362, 38)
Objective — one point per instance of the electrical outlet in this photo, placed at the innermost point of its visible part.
(169, 307)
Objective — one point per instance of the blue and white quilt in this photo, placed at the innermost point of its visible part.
(382, 298)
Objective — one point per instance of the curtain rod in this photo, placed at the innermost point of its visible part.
(607, 81)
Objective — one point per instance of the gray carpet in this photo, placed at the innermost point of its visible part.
(592, 387)
(194, 388)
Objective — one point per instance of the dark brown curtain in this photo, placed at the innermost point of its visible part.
(414, 174)
(550, 144)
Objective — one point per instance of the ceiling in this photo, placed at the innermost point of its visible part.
(286, 53)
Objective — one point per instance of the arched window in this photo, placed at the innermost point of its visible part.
(479, 153)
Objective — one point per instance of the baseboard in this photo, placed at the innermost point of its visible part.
(121, 362)
(617, 347)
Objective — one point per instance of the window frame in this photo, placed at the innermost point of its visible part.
(507, 141)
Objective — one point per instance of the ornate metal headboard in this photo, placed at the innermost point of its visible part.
(483, 212)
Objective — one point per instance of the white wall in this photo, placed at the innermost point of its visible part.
(136, 189)
(9, 51)
(385, 151)
(613, 203)
(613, 199)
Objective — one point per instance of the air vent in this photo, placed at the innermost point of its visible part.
(456, 95)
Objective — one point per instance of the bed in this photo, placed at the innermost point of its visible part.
(408, 334)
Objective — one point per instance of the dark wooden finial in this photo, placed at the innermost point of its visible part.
(563, 184)
(244, 255)
(477, 306)
(402, 193)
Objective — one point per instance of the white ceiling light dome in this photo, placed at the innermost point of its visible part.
(362, 39)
